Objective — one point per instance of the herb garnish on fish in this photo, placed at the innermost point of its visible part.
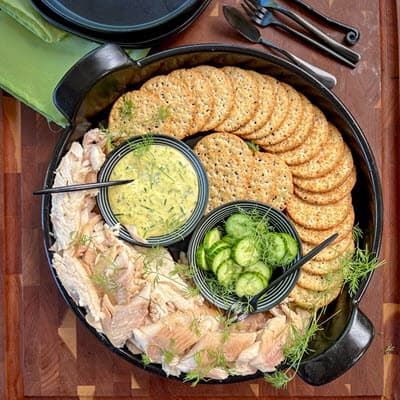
(294, 353)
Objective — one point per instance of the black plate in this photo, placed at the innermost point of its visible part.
(146, 36)
(85, 96)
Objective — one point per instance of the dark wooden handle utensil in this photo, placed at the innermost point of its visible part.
(264, 18)
(321, 35)
(83, 186)
(239, 22)
(352, 33)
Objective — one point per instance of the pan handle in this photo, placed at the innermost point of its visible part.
(340, 357)
(71, 90)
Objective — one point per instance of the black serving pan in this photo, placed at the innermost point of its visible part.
(143, 29)
(85, 96)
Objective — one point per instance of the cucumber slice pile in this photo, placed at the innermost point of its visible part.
(243, 253)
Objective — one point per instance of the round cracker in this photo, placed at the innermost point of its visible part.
(261, 185)
(137, 113)
(202, 94)
(312, 144)
(283, 184)
(326, 267)
(300, 133)
(245, 103)
(291, 121)
(281, 108)
(315, 237)
(312, 300)
(320, 283)
(318, 217)
(325, 160)
(330, 197)
(177, 98)
(228, 162)
(222, 94)
(266, 91)
(332, 251)
(332, 180)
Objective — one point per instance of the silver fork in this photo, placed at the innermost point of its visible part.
(264, 18)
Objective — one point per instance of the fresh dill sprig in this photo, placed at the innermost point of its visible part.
(357, 234)
(357, 267)
(279, 379)
(142, 146)
(254, 147)
(168, 356)
(299, 345)
(294, 352)
(105, 278)
(216, 360)
(162, 114)
(145, 359)
(195, 327)
(127, 109)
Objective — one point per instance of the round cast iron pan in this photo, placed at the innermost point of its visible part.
(85, 96)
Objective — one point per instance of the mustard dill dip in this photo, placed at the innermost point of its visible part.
(162, 196)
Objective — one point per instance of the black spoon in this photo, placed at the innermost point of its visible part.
(236, 312)
(83, 186)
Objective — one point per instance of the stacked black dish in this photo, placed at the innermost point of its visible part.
(130, 23)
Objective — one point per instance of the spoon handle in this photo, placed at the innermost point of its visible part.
(323, 76)
(296, 266)
(83, 186)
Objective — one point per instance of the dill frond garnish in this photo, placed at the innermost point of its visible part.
(163, 113)
(279, 379)
(127, 109)
(254, 147)
(145, 359)
(294, 352)
(215, 359)
(142, 146)
(357, 267)
(195, 327)
(105, 280)
(357, 234)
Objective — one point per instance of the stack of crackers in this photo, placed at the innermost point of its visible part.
(296, 161)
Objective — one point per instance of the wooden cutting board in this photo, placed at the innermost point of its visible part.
(46, 353)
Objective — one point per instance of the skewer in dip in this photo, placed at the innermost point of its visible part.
(162, 196)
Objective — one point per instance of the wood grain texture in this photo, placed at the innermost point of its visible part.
(47, 354)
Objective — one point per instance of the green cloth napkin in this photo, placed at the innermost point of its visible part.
(30, 67)
(23, 12)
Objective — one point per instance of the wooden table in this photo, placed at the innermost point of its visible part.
(46, 354)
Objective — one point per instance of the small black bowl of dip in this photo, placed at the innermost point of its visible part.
(167, 197)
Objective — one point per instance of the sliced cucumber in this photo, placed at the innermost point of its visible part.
(211, 237)
(245, 252)
(227, 272)
(201, 258)
(239, 226)
(261, 269)
(292, 248)
(275, 248)
(216, 247)
(229, 239)
(249, 284)
(216, 260)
